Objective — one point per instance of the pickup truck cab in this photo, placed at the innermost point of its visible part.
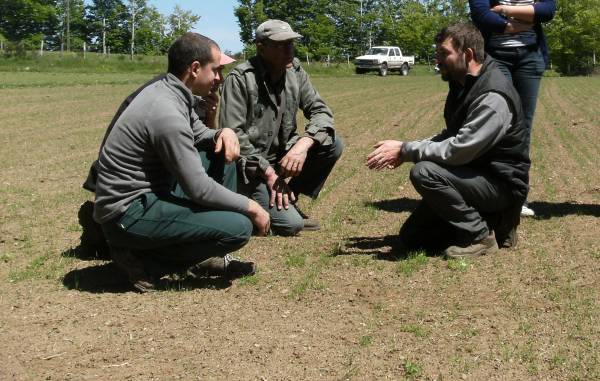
(384, 59)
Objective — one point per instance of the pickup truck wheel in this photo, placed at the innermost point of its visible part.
(383, 69)
(404, 69)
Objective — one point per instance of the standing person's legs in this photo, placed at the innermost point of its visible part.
(458, 195)
(527, 76)
(524, 67)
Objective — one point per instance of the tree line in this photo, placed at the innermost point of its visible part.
(346, 28)
(107, 26)
(336, 30)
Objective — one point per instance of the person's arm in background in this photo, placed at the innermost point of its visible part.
(319, 130)
(541, 11)
(490, 20)
(487, 21)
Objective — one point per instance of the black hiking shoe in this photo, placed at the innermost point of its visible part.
(310, 224)
(127, 261)
(92, 242)
(228, 266)
(236, 268)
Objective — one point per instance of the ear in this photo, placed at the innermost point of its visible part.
(469, 55)
(194, 68)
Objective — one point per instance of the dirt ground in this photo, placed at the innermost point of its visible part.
(334, 304)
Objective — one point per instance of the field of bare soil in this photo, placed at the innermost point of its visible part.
(334, 304)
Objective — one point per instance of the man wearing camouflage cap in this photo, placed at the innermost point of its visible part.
(259, 102)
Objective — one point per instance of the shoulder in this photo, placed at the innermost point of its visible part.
(243, 68)
(493, 100)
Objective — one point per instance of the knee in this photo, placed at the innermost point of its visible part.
(421, 173)
(330, 153)
(239, 231)
(338, 148)
(290, 226)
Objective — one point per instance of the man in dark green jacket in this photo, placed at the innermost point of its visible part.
(259, 102)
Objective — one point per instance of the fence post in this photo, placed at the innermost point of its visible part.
(42, 47)
(307, 60)
(84, 48)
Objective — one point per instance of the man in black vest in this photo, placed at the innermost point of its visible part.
(474, 175)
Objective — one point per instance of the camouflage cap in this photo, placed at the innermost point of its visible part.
(275, 30)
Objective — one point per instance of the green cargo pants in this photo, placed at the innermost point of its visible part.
(174, 230)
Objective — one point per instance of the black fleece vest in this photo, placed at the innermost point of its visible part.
(509, 158)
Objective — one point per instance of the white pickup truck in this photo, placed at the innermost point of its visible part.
(384, 59)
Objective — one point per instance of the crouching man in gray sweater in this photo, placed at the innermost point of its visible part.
(165, 197)
(474, 175)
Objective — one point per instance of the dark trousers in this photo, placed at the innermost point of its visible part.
(524, 67)
(319, 164)
(174, 230)
(455, 200)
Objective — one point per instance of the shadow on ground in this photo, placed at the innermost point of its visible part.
(108, 278)
(386, 248)
(546, 210)
(543, 209)
(398, 205)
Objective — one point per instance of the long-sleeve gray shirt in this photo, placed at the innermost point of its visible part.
(152, 145)
(488, 119)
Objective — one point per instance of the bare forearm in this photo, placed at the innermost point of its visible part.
(522, 13)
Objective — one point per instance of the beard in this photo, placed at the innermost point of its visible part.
(454, 73)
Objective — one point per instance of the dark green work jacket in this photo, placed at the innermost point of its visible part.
(250, 106)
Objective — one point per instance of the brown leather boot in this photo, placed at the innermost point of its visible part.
(488, 245)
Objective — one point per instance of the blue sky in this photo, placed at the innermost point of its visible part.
(217, 19)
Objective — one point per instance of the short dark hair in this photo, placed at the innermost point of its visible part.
(464, 36)
(189, 48)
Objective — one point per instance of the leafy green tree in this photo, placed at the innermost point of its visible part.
(27, 22)
(150, 35)
(73, 29)
(107, 22)
(574, 36)
(181, 21)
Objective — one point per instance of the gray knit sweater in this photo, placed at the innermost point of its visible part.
(151, 145)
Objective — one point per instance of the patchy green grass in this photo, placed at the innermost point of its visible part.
(413, 263)
(333, 304)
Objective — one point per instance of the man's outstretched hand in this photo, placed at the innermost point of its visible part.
(229, 144)
(385, 155)
(280, 193)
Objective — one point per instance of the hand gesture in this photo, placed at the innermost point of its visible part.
(209, 104)
(229, 144)
(385, 155)
(281, 194)
(291, 164)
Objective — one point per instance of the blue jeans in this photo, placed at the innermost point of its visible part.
(524, 67)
